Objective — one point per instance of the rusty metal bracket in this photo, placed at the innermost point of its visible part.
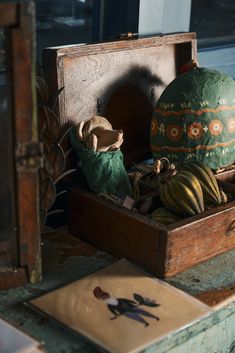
(29, 156)
(124, 36)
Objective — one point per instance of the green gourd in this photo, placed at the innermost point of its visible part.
(194, 119)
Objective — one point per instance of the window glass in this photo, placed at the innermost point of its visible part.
(214, 23)
(60, 22)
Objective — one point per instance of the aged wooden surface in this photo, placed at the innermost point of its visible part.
(116, 230)
(214, 334)
(201, 238)
(12, 277)
(8, 14)
(120, 80)
(165, 250)
(21, 48)
(216, 296)
(8, 243)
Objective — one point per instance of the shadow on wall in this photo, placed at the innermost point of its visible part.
(128, 105)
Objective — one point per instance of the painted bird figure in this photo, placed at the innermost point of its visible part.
(127, 307)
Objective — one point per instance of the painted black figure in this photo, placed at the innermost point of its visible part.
(127, 307)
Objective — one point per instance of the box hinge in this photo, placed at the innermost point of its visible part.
(29, 155)
(125, 36)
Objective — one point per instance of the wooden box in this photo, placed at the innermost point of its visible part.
(20, 152)
(122, 81)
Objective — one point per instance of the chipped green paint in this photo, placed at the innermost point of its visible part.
(213, 334)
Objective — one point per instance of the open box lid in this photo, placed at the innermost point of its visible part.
(121, 81)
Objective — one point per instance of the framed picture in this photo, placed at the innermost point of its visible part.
(121, 309)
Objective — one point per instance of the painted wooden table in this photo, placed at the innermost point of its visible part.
(66, 259)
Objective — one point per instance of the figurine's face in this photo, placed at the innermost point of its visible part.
(98, 134)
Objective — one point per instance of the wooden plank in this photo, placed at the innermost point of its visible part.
(117, 230)
(217, 296)
(170, 39)
(202, 237)
(180, 245)
(12, 277)
(95, 71)
(120, 80)
(26, 133)
(8, 14)
(218, 338)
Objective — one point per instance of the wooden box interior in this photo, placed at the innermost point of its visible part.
(165, 250)
(122, 81)
(119, 80)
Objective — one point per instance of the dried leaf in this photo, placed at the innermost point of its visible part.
(49, 195)
(56, 158)
(68, 152)
(42, 119)
(44, 174)
(64, 134)
(64, 175)
(43, 217)
(54, 212)
(47, 141)
(61, 193)
(54, 98)
(47, 165)
(53, 124)
(42, 90)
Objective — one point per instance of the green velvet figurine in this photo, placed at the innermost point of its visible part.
(97, 146)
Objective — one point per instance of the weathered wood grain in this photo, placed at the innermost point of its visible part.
(97, 71)
(200, 237)
(217, 296)
(164, 250)
(227, 176)
(107, 72)
(8, 14)
(116, 230)
(23, 51)
(13, 277)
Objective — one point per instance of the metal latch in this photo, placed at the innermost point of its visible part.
(29, 155)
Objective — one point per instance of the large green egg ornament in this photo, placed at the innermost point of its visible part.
(194, 119)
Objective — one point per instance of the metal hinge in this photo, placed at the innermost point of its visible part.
(29, 156)
(124, 36)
